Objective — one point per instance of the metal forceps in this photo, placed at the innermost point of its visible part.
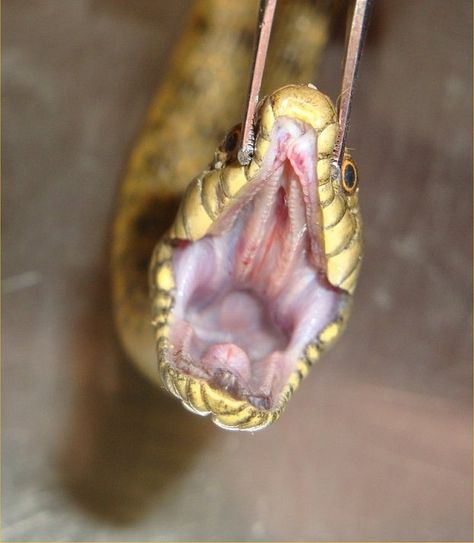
(354, 45)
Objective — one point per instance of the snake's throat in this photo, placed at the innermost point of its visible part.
(253, 293)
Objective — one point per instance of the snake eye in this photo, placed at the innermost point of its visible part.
(349, 176)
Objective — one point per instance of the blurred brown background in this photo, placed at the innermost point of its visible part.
(377, 443)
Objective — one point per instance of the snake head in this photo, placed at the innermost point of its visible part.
(254, 279)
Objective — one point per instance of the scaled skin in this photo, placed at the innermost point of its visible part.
(200, 97)
(254, 278)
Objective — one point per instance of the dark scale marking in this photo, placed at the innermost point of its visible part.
(161, 316)
(231, 140)
(157, 264)
(142, 264)
(352, 270)
(220, 195)
(187, 87)
(159, 325)
(260, 402)
(162, 291)
(191, 397)
(257, 159)
(242, 422)
(306, 361)
(289, 58)
(340, 320)
(162, 344)
(246, 38)
(206, 204)
(155, 124)
(152, 163)
(222, 184)
(201, 24)
(338, 219)
(347, 243)
(309, 363)
(329, 201)
(150, 222)
(158, 311)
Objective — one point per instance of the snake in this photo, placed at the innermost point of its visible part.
(228, 285)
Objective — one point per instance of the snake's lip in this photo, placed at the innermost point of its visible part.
(252, 294)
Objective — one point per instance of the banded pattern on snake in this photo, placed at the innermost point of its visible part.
(253, 278)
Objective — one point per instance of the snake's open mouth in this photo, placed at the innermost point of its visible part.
(253, 293)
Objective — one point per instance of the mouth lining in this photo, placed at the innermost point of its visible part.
(253, 292)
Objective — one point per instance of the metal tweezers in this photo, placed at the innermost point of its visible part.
(354, 45)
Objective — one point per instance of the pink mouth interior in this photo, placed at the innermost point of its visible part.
(253, 293)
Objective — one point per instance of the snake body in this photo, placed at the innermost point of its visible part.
(201, 97)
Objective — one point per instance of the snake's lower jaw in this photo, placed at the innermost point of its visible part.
(243, 312)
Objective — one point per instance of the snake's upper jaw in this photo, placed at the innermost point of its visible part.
(251, 302)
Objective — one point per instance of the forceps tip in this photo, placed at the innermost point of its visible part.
(355, 43)
(262, 39)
